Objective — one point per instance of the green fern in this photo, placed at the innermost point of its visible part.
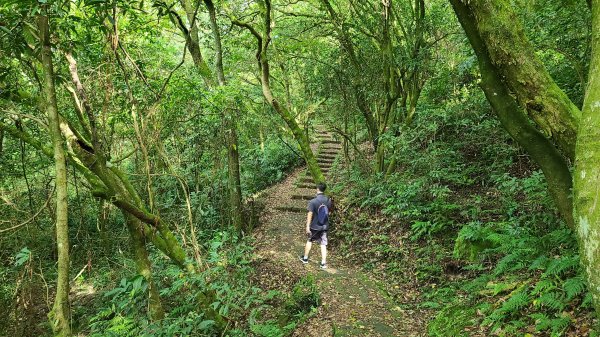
(540, 263)
(552, 300)
(561, 265)
(543, 286)
(574, 286)
(587, 301)
(556, 326)
(516, 302)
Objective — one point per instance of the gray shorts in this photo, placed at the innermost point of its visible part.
(318, 236)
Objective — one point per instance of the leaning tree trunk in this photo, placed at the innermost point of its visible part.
(60, 314)
(514, 120)
(587, 169)
(511, 52)
(287, 116)
(113, 186)
(193, 42)
(263, 41)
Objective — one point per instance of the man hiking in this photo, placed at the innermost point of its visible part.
(317, 224)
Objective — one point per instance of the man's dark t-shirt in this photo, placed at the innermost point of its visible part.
(313, 206)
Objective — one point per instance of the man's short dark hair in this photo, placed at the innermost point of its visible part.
(321, 187)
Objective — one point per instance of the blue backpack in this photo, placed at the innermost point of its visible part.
(323, 215)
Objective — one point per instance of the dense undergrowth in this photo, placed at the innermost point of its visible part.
(465, 227)
(220, 300)
(110, 299)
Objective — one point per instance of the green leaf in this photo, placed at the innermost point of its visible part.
(205, 325)
(22, 256)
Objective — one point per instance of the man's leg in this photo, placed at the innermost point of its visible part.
(323, 242)
(307, 249)
(323, 254)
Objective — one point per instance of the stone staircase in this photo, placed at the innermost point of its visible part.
(305, 187)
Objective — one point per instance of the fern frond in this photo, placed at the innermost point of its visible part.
(515, 303)
(540, 263)
(542, 286)
(552, 300)
(574, 287)
(561, 265)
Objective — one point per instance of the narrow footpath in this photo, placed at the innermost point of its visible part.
(352, 304)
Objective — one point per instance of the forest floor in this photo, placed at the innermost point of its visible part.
(352, 303)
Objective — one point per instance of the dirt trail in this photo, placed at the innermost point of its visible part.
(352, 304)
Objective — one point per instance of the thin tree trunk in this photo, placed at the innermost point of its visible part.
(287, 116)
(193, 41)
(229, 115)
(102, 227)
(587, 169)
(361, 99)
(60, 314)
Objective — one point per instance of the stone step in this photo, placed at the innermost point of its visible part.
(302, 197)
(306, 185)
(308, 176)
(291, 209)
(329, 145)
(330, 148)
(294, 204)
(308, 180)
(326, 156)
(326, 141)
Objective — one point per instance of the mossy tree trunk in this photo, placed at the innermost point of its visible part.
(515, 121)
(143, 264)
(523, 73)
(587, 169)
(192, 39)
(190, 33)
(60, 314)
(287, 116)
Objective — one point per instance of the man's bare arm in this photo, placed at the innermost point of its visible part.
(308, 221)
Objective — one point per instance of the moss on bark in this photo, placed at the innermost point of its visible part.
(586, 189)
(514, 120)
(524, 74)
(60, 314)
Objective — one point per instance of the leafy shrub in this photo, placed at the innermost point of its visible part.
(202, 304)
